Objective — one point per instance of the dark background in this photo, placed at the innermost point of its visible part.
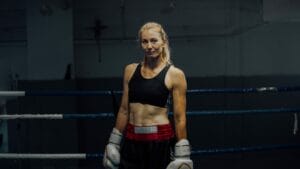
(85, 45)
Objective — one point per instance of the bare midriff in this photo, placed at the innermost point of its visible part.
(147, 115)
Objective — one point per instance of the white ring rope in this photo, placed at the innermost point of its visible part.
(12, 93)
(30, 116)
(54, 116)
(41, 156)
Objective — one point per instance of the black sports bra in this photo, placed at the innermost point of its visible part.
(149, 91)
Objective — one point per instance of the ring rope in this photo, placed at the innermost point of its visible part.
(246, 90)
(194, 153)
(245, 111)
(42, 156)
(110, 114)
(246, 149)
(54, 116)
(109, 92)
(12, 93)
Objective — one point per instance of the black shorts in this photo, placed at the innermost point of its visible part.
(149, 153)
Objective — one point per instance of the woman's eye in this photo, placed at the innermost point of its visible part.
(153, 40)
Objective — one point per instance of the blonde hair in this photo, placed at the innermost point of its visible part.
(166, 49)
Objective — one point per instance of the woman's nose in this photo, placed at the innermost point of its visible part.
(149, 45)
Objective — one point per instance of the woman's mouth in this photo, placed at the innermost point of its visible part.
(149, 53)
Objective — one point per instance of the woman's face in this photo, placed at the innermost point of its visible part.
(152, 43)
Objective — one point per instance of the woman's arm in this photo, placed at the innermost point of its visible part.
(123, 113)
(179, 102)
(111, 157)
(182, 149)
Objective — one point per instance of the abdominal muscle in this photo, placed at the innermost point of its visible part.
(147, 115)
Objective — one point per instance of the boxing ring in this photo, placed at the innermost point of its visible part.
(110, 115)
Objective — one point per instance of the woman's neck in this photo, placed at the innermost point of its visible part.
(153, 63)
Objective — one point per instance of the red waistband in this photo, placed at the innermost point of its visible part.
(157, 132)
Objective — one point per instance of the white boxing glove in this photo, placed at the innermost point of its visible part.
(182, 152)
(111, 158)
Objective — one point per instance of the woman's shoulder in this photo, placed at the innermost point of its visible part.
(175, 71)
(129, 70)
(175, 76)
(131, 67)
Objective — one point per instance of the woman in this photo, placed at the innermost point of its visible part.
(143, 113)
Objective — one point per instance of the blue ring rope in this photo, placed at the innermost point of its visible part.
(241, 112)
(245, 149)
(190, 91)
(196, 113)
(101, 115)
(87, 116)
(245, 90)
(113, 93)
(67, 93)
